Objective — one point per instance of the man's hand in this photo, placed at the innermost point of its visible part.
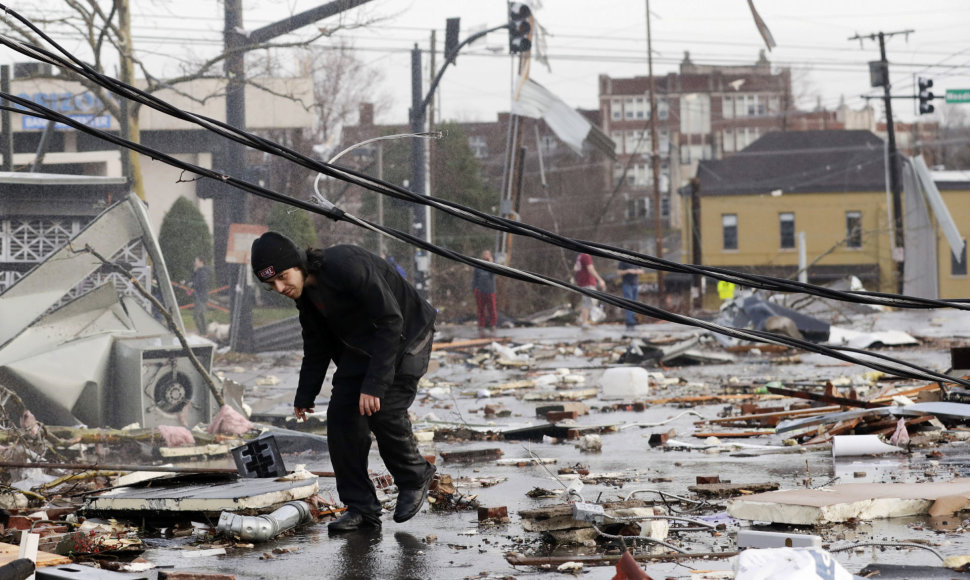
(369, 404)
(301, 412)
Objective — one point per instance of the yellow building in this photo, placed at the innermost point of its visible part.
(954, 188)
(825, 187)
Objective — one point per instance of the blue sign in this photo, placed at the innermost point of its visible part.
(66, 102)
(31, 123)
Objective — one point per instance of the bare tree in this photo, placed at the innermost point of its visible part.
(953, 148)
(103, 28)
(341, 82)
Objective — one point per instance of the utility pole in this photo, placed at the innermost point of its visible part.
(655, 160)
(130, 130)
(6, 130)
(229, 205)
(879, 76)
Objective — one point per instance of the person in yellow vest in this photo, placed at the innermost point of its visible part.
(725, 290)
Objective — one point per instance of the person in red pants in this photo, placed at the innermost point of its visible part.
(483, 285)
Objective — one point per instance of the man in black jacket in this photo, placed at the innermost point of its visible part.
(358, 312)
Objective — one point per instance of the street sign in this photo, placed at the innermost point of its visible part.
(958, 95)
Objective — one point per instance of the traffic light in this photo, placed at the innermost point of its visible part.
(520, 27)
(452, 26)
(925, 96)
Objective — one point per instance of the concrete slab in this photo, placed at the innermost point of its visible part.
(859, 501)
(256, 494)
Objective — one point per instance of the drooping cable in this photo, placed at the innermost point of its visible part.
(898, 367)
(457, 210)
(471, 215)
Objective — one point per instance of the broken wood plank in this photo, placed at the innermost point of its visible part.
(10, 552)
(772, 348)
(728, 489)
(888, 430)
(732, 434)
(778, 415)
(472, 455)
(468, 343)
(840, 428)
(526, 461)
(573, 395)
(831, 399)
(715, 398)
(815, 410)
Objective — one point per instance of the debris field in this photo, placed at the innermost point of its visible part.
(559, 451)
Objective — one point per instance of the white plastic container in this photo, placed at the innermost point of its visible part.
(625, 383)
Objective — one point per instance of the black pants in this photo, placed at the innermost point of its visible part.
(349, 436)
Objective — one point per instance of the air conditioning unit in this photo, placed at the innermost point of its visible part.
(158, 385)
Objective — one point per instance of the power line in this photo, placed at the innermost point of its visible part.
(897, 367)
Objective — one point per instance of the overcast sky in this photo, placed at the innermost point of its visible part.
(587, 38)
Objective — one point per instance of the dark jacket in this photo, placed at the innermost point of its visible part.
(483, 281)
(201, 284)
(362, 316)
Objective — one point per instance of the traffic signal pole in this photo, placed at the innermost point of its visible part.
(421, 217)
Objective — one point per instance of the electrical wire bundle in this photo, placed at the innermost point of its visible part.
(65, 60)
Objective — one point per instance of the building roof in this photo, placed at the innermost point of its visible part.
(799, 162)
(951, 179)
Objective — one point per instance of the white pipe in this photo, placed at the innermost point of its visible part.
(802, 259)
(265, 527)
(849, 445)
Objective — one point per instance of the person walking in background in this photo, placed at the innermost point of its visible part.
(725, 291)
(201, 284)
(630, 285)
(587, 277)
(483, 285)
(356, 311)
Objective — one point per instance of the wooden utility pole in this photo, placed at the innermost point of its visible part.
(879, 76)
(227, 206)
(655, 160)
(130, 129)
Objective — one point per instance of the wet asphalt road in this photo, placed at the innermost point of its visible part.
(453, 545)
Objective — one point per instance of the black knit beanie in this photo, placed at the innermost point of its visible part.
(273, 253)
